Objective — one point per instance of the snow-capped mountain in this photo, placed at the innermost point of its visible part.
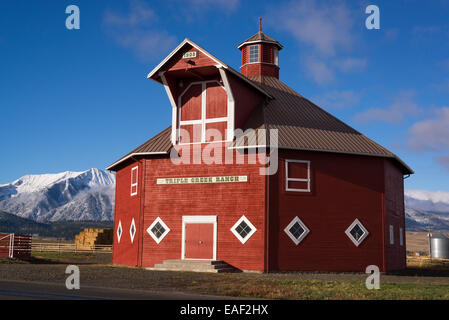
(425, 209)
(87, 195)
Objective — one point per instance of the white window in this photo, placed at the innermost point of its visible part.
(276, 56)
(132, 230)
(401, 236)
(296, 230)
(357, 232)
(254, 53)
(119, 231)
(297, 175)
(391, 234)
(243, 229)
(134, 180)
(158, 230)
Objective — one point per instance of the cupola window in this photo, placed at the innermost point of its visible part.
(254, 53)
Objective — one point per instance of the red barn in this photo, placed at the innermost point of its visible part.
(253, 174)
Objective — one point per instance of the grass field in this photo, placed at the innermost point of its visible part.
(424, 279)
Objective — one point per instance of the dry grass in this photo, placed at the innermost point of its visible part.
(231, 285)
(417, 242)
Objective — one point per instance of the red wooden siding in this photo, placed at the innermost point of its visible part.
(395, 254)
(245, 55)
(343, 188)
(254, 69)
(267, 53)
(127, 207)
(219, 133)
(216, 101)
(179, 63)
(227, 201)
(246, 100)
(191, 103)
(192, 134)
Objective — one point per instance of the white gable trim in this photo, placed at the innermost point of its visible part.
(135, 154)
(173, 107)
(186, 41)
(231, 104)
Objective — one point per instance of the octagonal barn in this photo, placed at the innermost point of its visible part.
(333, 199)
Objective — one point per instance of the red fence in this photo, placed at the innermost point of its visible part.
(15, 245)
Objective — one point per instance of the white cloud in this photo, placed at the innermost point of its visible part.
(426, 30)
(318, 70)
(392, 34)
(325, 26)
(431, 134)
(325, 31)
(443, 160)
(402, 107)
(425, 195)
(139, 15)
(229, 5)
(442, 86)
(338, 99)
(136, 30)
(351, 64)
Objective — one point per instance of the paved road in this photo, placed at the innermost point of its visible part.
(21, 290)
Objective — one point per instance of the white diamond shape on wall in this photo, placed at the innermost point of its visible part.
(243, 229)
(158, 230)
(119, 231)
(296, 230)
(357, 232)
(132, 230)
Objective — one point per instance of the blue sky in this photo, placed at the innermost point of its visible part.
(76, 99)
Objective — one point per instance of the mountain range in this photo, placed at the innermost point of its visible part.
(74, 196)
(424, 209)
(89, 196)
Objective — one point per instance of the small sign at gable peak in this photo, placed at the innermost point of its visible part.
(189, 55)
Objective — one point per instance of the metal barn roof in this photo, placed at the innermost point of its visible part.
(302, 125)
(260, 37)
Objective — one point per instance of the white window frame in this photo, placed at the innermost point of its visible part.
(258, 53)
(198, 219)
(204, 121)
(401, 237)
(287, 179)
(152, 235)
(249, 235)
(303, 235)
(391, 234)
(136, 168)
(362, 238)
(119, 231)
(132, 236)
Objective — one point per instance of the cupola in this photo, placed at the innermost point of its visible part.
(260, 55)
